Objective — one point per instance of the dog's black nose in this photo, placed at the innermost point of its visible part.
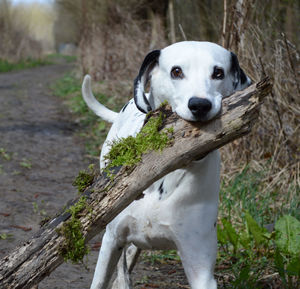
(199, 106)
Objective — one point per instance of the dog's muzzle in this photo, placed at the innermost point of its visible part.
(199, 107)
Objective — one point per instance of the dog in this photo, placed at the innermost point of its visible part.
(179, 211)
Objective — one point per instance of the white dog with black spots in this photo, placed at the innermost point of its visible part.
(179, 211)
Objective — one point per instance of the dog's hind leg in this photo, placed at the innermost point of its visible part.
(132, 254)
(109, 255)
(125, 267)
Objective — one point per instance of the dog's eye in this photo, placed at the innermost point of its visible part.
(176, 72)
(218, 73)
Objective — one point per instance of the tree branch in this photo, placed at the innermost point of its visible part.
(28, 264)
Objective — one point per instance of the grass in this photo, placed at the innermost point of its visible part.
(249, 254)
(25, 163)
(6, 156)
(53, 57)
(6, 66)
(248, 191)
(160, 256)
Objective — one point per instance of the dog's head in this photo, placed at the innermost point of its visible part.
(192, 76)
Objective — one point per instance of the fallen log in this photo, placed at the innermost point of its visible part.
(28, 264)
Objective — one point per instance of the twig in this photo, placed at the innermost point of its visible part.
(172, 22)
(268, 276)
(291, 62)
(182, 32)
(224, 23)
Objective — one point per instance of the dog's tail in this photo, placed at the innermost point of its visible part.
(99, 109)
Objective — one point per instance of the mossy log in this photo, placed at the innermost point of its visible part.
(36, 258)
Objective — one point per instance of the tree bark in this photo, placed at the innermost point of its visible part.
(235, 23)
(28, 264)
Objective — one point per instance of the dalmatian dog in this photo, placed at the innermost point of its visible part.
(179, 211)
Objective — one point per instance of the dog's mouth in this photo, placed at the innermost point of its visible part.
(208, 117)
(201, 119)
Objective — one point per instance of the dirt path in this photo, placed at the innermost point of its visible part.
(40, 155)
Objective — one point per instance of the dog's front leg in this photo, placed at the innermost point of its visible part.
(122, 280)
(125, 267)
(197, 246)
(109, 255)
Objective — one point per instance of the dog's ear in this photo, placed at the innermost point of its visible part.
(141, 80)
(240, 78)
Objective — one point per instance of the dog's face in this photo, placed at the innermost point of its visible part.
(192, 76)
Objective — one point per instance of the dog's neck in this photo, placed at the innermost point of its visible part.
(153, 101)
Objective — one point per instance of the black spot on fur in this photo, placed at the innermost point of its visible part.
(179, 180)
(161, 189)
(215, 224)
(124, 107)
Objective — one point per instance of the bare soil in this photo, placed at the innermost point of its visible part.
(40, 155)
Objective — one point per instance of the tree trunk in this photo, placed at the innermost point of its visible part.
(235, 24)
(28, 264)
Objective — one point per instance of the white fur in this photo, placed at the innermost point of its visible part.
(99, 109)
(184, 215)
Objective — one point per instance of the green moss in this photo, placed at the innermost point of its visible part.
(74, 248)
(128, 151)
(84, 179)
(164, 103)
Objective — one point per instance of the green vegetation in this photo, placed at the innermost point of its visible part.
(128, 151)
(249, 191)
(84, 179)
(6, 156)
(38, 210)
(54, 57)
(160, 256)
(4, 236)
(6, 66)
(25, 163)
(74, 248)
(66, 87)
(248, 252)
(252, 252)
